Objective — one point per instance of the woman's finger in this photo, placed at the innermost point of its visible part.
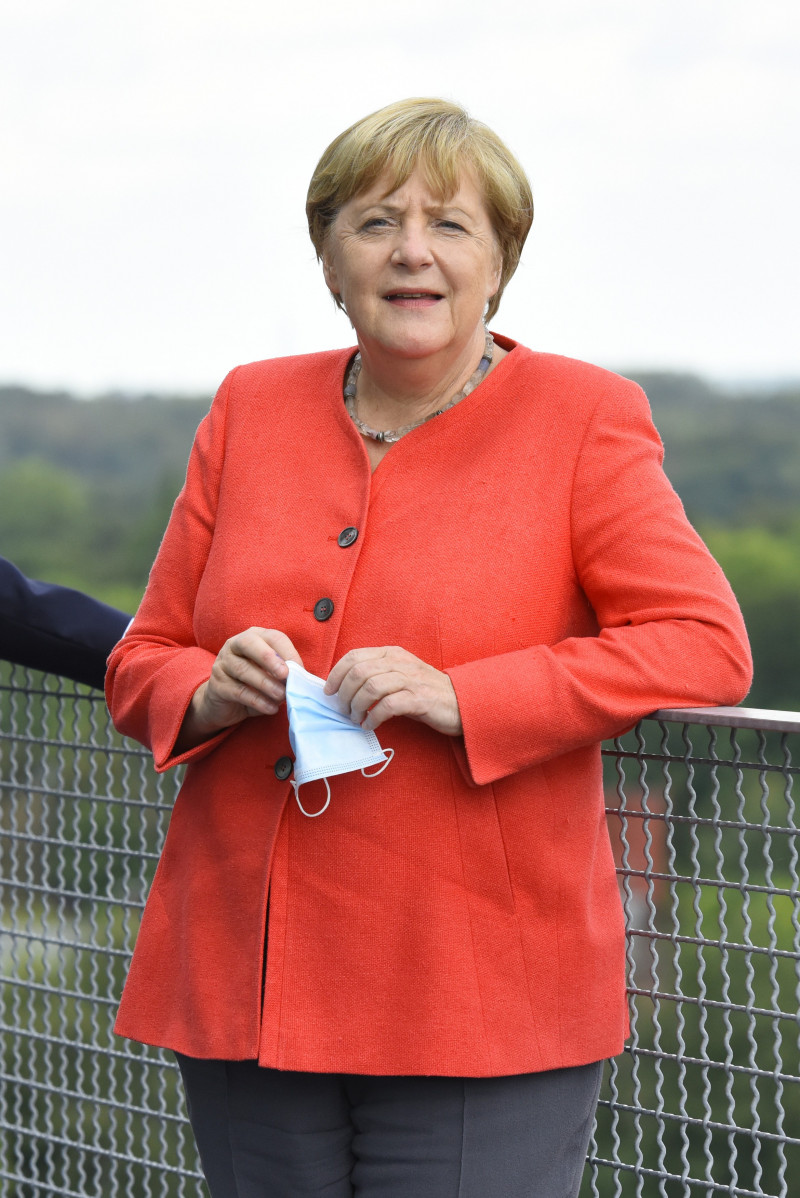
(358, 693)
(375, 684)
(280, 644)
(350, 660)
(266, 648)
(247, 679)
(402, 702)
(256, 659)
(248, 676)
(243, 683)
(234, 669)
(375, 671)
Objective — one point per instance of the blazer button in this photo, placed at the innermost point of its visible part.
(347, 536)
(283, 768)
(323, 609)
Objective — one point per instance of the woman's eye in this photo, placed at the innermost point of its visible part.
(451, 224)
(376, 222)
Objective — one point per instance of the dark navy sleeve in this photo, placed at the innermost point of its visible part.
(56, 629)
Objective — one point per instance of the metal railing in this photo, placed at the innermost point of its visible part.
(704, 1101)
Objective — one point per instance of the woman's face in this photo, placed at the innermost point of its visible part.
(414, 271)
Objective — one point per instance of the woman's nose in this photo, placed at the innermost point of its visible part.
(412, 248)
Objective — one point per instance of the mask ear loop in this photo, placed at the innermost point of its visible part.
(311, 814)
(389, 755)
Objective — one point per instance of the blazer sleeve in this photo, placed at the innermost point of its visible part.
(157, 667)
(670, 630)
(56, 629)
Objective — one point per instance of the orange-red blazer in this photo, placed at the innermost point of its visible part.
(459, 914)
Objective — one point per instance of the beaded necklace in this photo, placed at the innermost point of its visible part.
(390, 435)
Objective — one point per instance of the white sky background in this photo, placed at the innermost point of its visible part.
(155, 159)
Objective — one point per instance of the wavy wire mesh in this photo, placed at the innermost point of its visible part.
(705, 1100)
(82, 1113)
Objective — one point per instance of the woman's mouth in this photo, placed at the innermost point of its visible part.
(413, 299)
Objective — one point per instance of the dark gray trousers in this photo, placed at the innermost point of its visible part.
(265, 1133)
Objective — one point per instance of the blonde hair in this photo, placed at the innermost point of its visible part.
(442, 139)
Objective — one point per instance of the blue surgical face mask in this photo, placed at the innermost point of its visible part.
(324, 741)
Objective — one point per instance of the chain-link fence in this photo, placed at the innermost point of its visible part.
(705, 1100)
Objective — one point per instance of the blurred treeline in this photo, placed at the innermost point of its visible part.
(86, 489)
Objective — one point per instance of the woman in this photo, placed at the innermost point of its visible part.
(474, 545)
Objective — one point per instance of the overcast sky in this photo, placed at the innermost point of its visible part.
(155, 158)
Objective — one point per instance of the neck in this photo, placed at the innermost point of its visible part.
(393, 390)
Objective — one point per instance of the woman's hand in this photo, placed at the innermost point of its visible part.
(375, 684)
(247, 679)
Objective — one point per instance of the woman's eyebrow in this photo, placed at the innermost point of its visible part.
(438, 207)
(451, 210)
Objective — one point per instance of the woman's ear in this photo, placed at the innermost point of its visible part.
(498, 270)
(329, 271)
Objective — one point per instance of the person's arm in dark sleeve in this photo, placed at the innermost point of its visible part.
(56, 629)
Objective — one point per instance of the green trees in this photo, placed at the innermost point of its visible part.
(43, 514)
(86, 488)
(57, 525)
(763, 567)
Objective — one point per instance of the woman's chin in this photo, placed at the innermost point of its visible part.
(414, 339)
